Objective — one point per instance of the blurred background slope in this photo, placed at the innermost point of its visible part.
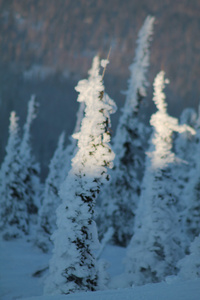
(47, 46)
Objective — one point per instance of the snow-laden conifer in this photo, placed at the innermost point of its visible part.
(73, 266)
(190, 265)
(157, 243)
(191, 214)
(188, 174)
(51, 199)
(29, 168)
(185, 149)
(118, 201)
(59, 168)
(13, 211)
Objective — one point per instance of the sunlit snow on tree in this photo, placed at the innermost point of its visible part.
(158, 242)
(73, 266)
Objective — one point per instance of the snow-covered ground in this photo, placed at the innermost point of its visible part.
(19, 260)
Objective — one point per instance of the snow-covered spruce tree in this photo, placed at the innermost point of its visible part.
(13, 212)
(157, 243)
(190, 265)
(118, 201)
(188, 174)
(185, 149)
(73, 266)
(50, 198)
(192, 195)
(29, 168)
(59, 168)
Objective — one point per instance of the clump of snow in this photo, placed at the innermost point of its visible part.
(104, 62)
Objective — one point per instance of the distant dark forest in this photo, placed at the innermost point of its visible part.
(47, 46)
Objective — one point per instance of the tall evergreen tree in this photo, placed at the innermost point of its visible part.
(185, 148)
(51, 199)
(29, 167)
(119, 200)
(13, 212)
(188, 174)
(73, 266)
(58, 170)
(192, 196)
(157, 243)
